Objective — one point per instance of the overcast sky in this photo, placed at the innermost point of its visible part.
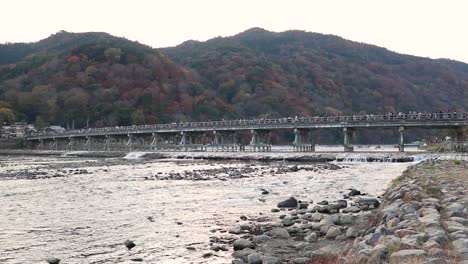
(428, 28)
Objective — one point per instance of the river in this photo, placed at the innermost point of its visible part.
(81, 210)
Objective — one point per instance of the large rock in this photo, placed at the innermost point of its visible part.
(242, 243)
(53, 260)
(368, 202)
(352, 233)
(278, 232)
(287, 221)
(333, 232)
(260, 238)
(404, 256)
(342, 219)
(271, 260)
(129, 244)
(352, 209)
(254, 258)
(243, 254)
(291, 202)
(316, 217)
(460, 244)
(240, 229)
(312, 237)
(354, 192)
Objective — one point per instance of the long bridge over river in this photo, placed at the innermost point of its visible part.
(225, 135)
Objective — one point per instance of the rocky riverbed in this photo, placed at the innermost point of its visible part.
(423, 218)
(83, 210)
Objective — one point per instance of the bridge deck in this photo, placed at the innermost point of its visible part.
(432, 120)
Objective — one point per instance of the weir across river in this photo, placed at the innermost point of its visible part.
(225, 135)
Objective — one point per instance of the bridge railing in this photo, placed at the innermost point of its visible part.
(413, 117)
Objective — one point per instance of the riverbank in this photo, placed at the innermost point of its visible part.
(421, 218)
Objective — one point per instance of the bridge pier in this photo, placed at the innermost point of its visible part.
(349, 138)
(459, 139)
(260, 140)
(303, 140)
(401, 146)
(192, 141)
(129, 143)
(226, 141)
(71, 143)
(87, 145)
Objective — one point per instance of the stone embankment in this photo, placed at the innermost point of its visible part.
(422, 218)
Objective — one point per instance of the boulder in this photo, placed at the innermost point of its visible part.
(316, 217)
(255, 258)
(129, 244)
(242, 243)
(342, 219)
(352, 233)
(291, 202)
(287, 221)
(352, 209)
(243, 254)
(354, 192)
(368, 202)
(271, 260)
(333, 232)
(53, 260)
(278, 232)
(342, 203)
(260, 238)
(312, 237)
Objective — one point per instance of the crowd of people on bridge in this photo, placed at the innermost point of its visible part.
(412, 115)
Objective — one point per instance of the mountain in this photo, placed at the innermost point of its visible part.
(301, 73)
(96, 79)
(93, 79)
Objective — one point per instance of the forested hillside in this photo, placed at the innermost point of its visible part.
(95, 79)
(300, 73)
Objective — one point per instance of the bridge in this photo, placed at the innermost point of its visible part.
(225, 135)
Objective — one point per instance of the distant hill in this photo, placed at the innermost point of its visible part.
(95, 79)
(302, 73)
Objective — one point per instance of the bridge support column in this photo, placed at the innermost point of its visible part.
(401, 145)
(154, 141)
(225, 141)
(349, 138)
(260, 140)
(192, 141)
(303, 140)
(459, 139)
(87, 145)
(54, 144)
(71, 143)
(107, 143)
(129, 143)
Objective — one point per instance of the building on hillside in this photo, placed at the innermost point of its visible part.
(16, 130)
(54, 129)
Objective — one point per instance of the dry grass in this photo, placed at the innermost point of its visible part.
(415, 260)
(325, 260)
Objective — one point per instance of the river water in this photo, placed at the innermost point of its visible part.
(85, 216)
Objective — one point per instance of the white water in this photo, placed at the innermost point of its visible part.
(135, 155)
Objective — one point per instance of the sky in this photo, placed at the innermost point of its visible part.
(427, 28)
